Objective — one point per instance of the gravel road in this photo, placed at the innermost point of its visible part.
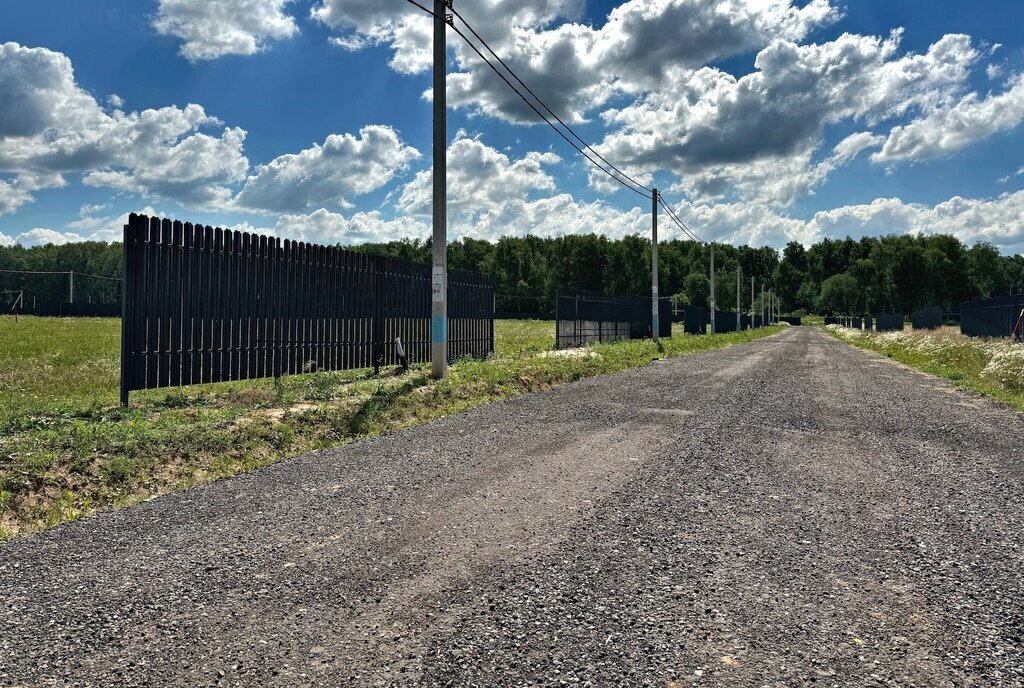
(788, 512)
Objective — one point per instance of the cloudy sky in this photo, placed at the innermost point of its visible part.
(762, 121)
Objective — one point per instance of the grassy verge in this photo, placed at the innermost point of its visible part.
(67, 449)
(992, 367)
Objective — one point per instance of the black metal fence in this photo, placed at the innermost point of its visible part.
(996, 317)
(889, 322)
(208, 305)
(694, 319)
(587, 317)
(725, 321)
(794, 320)
(71, 310)
(856, 323)
(926, 318)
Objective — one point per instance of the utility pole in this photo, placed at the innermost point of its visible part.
(751, 303)
(712, 300)
(763, 323)
(71, 287)
(654, 265)
(439, 291)
(738, 316)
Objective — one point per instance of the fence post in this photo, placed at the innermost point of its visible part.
(125, 238)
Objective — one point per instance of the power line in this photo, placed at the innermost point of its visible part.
(35, 272)
(543, 104)
(77, 273)
(682, 225)
(633, 185)
(534, 107)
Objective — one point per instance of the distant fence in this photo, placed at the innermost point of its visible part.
(208, 305)
(515, 307)
(516, 315)
(995, 317)
(50, 309)
(868, 323)
(833, 320)
(889, 323)
(725, 321)
(856, 323)
(587, 317)
(794, 320)
(927, 318)
(694, 319)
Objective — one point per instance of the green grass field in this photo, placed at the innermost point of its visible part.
(67, 448)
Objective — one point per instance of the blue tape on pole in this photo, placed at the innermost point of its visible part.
(438, 328)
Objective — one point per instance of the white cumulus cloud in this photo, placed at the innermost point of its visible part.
(51, 127)
(326, 174)
(947, 130)
(210, 29)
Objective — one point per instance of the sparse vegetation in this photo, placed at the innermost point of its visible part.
(67, 449)
(993, 367)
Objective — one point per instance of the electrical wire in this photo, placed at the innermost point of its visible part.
(633, 185)
(532, 106)
(544, 105)
(679, 223)
(75, 272)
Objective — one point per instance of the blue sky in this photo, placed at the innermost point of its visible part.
(926, 99)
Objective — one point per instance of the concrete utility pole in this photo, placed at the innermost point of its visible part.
(439, 286)
(71, 287)
(751, 303)
(712, 301)
(654, 265)
(763, 323)
(738, 318)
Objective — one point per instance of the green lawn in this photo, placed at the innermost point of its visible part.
(67, 448)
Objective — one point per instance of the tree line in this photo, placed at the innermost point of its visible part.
(899, 273)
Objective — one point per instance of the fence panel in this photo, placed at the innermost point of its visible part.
(586, 317)
(927, 318)
(694, 318)
(889, 323)
(725, 321)
(209, 305)
(794, 320)
(996, 317)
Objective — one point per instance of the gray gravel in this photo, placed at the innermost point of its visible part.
(791, 511)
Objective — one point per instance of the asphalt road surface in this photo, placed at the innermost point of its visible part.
(788, 512)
